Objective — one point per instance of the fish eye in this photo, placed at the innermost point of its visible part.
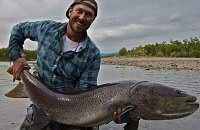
(179, 91)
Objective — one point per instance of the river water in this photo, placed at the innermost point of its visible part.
(13, 111)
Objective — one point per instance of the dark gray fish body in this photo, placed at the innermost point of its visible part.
(96, 106)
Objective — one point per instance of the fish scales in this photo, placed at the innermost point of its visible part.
(89, 107)
(94, 107)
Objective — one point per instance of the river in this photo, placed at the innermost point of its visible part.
(13, 111)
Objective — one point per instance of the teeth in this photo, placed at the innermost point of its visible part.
(79, 24)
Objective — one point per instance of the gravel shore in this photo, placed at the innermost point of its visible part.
(155, 63)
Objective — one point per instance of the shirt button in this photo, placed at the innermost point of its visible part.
(55, 65)
(54, 76)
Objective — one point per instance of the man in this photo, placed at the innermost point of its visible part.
(66, 56)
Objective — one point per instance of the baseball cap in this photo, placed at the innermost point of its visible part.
(86, 3)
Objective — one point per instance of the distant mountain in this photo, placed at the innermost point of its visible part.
(109, 54)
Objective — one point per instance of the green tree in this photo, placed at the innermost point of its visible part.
(4, 54)
(195, 54)
(123, 52)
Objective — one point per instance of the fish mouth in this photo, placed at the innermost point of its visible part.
(185, 103)
(191, 102)
(191, 105)
(191, 99)
(188, 107)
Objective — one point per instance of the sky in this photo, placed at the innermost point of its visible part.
(119, 23)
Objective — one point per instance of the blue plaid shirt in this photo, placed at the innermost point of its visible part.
(54, 69)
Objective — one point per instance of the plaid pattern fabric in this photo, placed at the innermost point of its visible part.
(53, 68)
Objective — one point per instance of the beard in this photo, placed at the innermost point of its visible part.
(78, 29)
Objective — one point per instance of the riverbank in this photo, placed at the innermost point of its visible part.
(155, 63)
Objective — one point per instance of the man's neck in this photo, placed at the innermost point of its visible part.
(73, 36)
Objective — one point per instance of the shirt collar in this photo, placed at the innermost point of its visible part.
(62, 32)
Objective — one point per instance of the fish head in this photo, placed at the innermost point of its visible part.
(155, 101)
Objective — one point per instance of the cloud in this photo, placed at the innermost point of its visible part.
(120, 23)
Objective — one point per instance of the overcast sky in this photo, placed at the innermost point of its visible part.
(119, 23)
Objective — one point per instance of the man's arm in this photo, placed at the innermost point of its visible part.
(19, 34)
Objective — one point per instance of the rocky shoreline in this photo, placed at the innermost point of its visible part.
(155, 63)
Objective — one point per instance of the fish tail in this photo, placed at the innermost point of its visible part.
(10, 70)
(17, 92)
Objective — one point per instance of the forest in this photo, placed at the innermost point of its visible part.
(29, 55)
(174, 48)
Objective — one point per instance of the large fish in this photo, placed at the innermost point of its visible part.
(94, 107)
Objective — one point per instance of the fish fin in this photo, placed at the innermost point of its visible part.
(40, 121)
(17, 92)
(131, 125)
(10, 70)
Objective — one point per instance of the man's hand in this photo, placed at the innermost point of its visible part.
(136, 119)
(18, 65)
(119, 120)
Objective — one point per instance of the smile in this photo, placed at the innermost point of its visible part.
(80, 24)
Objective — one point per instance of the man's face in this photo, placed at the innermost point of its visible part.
(80, 18)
